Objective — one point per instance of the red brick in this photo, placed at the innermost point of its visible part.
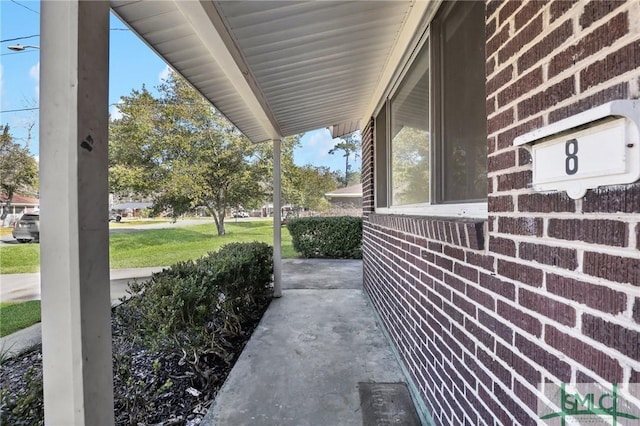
(481, 297)
(542, 101)
(494, 366)
(520, 319)
(514, 408)
(520, 87)
(500, 121)
(518, 364)
(558, 8)
(467, 272)
(498, 286)
(624, 59)
(481, 260)
(543, 49)
(521, 225)
(598, 362)
(615, 336)
(550, 308)
(500, 204)
(517, 180)
(594, 296)
(502, 246)
(614, 268)
(490, 28)
(497, 327)
(594, 42)
(558, 368)
(597, 9)
(549, 255)
(497, 412)
(501, 161)
(456, 253)
(492, 7)
(638, 236)
(508, 8)
(500, 80)
(529, 398)
(621, 198)
(605, 232)
(490, 66)
(522, 273)
(619, 91)
(516, 43)
(490, 109)
(479, 333)
(546, 203)
(529, 10)
(636, 310)
(505, 139)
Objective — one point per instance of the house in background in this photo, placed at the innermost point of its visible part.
(501, 202)
(19, 204)
(347, 197)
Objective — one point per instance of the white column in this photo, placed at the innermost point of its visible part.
(74, 265)
(277, 220)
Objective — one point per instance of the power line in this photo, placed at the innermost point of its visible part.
(26, 7)
(19, 38)
(21, 109)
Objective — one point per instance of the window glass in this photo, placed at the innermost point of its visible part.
(409, 148)
(464, 137)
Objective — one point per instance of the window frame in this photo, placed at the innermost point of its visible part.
(382, 178)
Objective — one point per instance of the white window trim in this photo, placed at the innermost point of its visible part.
(462, 210)
(473, 210)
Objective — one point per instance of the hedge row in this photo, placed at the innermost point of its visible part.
(332, 237)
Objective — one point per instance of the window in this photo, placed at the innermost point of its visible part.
(431, 131)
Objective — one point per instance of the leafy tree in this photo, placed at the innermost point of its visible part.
(18, 169)
(178, 149)
(350, 145)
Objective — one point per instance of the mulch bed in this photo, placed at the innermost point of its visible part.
(152, 388)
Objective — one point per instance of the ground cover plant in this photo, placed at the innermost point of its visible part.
(156, 247)
(16, 316)
(174, 341)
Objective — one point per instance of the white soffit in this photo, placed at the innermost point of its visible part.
(278, 68)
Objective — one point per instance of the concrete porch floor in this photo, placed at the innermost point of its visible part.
(313, 346)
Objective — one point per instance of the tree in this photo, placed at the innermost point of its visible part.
(349, 145)
(177, 148)
(18, 169)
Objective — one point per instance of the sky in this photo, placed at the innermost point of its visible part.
(132, 64)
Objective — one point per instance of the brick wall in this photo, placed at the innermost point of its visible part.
(548, 288)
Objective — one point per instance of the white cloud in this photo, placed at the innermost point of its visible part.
(114, 112)
(320, 142)
(164, 74)
(34, 73)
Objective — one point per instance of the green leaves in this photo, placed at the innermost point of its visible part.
(18, 169)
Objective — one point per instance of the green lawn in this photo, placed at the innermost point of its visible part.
(16, 316)
(157, 247)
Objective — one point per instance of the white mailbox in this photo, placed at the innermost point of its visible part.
(591, 149)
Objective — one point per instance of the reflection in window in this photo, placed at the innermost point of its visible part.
(410, 135)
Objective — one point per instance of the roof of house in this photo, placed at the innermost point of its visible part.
(20, 200)
(348, 191)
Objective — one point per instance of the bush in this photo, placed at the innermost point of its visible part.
(198, 304)
(333, 237)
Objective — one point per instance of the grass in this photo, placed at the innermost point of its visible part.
(16, 316)
(129, 222)
(156, 247)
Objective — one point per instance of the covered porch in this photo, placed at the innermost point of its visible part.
(273, 68)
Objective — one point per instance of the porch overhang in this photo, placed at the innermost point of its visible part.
(281, 68)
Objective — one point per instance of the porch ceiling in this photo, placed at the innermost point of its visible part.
(278, 68)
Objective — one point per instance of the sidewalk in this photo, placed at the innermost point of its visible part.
(317, 358)
(23, 287)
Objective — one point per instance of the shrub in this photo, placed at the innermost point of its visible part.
(196, 305)
(333, 237)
